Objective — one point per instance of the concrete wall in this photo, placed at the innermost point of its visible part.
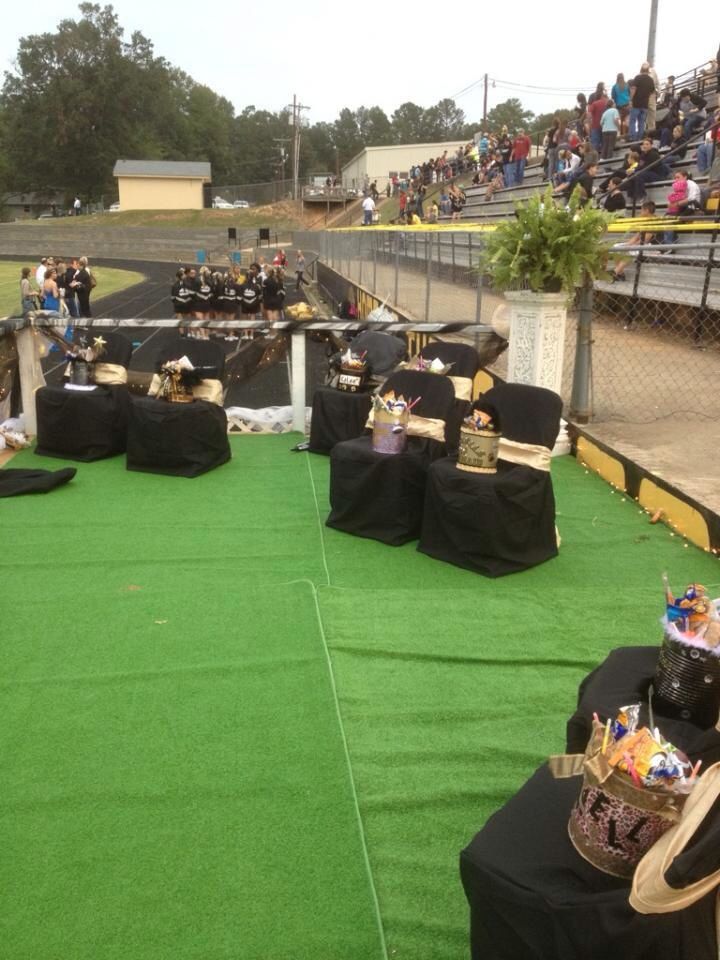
(378, 162)
(160, 193)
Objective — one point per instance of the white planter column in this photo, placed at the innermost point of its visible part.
(537, 338)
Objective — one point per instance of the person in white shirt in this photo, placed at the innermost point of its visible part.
(368, 206)
(40, 272)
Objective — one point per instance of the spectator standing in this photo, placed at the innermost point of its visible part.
(596, 109)
(598, 94)
(610, 127)
(368, 206)
(444, 202)
(553, 143)
(640, 89)
(50, 292)
(300, 271)
(83, 283)
(77, 206)
(71, 291)
(651, 121)
(620, 95)
(519, 156)
(580, 114)
(29, 295)
(505, 146)
(273, 294)
(457, 201)
(40, 271)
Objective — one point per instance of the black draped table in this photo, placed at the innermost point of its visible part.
(533, 897)
(82, 424)
(336, 416)
(176, 439)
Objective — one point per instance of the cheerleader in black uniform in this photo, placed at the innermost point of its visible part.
(182, 295)
(228, 302)
(273, 295)
(250, 298)
(203, 301)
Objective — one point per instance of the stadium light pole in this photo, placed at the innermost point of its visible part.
(652, 32)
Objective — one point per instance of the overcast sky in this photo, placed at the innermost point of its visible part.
(376, 53)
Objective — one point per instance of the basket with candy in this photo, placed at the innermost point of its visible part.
(353, 371)
(479, 440)
(635, 784)
(687, 679)
(391, 416)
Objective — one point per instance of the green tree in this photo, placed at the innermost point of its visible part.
(509, 114)
(407, 123)
(543, 121)
(374, 128)
(444, 121)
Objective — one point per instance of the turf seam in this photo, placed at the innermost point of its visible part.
(341, 725)
(321, 531)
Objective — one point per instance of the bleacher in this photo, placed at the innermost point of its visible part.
(683, 277)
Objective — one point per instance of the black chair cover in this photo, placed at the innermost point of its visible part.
(533, 897)
(14, 482)
(205, 354)
(624, 677)
(337, 416)
(378, 495)
(177, 439)
(118, 349)
(82, 425)
(384, 351)
(464, 358)
(495, 524)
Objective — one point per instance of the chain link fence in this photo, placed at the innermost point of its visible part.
(655, 334)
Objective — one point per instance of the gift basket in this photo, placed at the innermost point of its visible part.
(634, 787)
(353, 371)
(81, 359)
(176, 381)
(435, 365)
(479, 439)
(391, 416)
(687, 679)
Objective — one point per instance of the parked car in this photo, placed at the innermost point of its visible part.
(114, 207)
(241, 204)
(220, 204)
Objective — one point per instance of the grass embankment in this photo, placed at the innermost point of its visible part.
(277, 216)
(109, 280)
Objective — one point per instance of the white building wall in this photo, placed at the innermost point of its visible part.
(378, 162)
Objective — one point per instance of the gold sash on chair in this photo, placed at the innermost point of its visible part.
(210, 390)
(428, 427)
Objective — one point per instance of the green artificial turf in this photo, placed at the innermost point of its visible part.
(175, 775)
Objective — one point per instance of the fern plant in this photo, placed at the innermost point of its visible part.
(547, 248)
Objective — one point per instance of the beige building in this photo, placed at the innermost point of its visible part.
(380, 163)
(161, 184)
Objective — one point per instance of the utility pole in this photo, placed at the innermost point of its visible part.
(485, 82)
(283, 157)
(296, 109)
(652, 32)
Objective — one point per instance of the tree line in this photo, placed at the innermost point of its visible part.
(85, 96)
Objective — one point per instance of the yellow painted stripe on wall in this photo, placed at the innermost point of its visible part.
(609, 467)
(678, 514)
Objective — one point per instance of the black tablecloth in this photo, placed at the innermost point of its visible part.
(337, 416)
(14, 482)
(532, 895)
(82, 425)
(378, 495)
(178, 439)
(493, 524)
(624, 678)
